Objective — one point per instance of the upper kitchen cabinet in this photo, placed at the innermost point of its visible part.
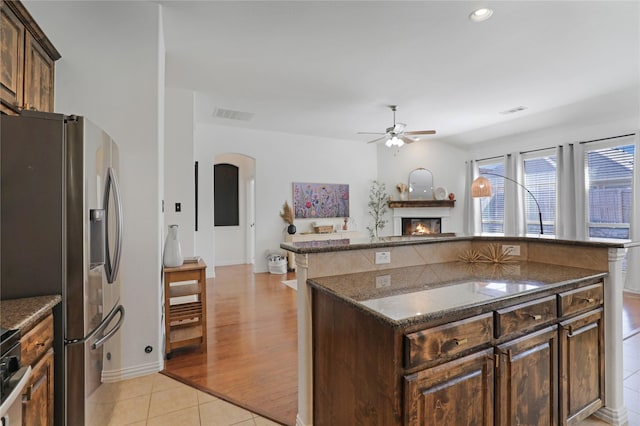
(27, 61)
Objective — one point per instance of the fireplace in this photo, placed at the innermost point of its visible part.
(421, 225)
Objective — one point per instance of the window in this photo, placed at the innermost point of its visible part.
(226, 208)
(493, 208)
(608, 179)
(540, 179)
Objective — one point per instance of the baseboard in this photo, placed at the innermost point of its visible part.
(111, 376)
(617, 417)
(299, 421)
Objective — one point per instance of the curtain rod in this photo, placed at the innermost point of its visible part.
(539, 149)
(553, 147)
(606, 139)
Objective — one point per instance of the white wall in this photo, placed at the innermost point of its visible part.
(446, 163)
(109, 72)
(230, 241)
(549, 137)
(281, 159)
(179, 167)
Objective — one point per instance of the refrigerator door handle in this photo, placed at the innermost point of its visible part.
(101, 341)
(101, 327)
(111, 268)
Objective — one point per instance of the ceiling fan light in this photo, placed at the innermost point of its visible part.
(389, 143)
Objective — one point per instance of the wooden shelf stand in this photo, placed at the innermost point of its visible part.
(185, 307)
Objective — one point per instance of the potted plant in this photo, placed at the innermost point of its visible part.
(287, 215)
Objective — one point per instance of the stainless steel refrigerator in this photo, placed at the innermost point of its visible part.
(61, 233)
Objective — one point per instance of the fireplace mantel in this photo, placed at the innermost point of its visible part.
(421, 203)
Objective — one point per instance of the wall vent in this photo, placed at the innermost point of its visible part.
(233, 115)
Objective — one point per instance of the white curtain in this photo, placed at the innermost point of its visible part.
(571, 219)
(472, 213)
(514, 206)
(632, 281)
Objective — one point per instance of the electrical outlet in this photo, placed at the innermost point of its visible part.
(178, 207)
(383, 257)
(511, 249)
(383, 281)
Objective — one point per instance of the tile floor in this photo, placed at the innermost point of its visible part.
(157, 400)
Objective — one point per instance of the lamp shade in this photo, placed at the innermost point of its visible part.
(481, 187)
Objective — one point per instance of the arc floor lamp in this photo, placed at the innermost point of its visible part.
(481, 187)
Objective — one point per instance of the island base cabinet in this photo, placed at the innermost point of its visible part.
(458, 392)
(581, 366)
(526, 386)
(37, 401)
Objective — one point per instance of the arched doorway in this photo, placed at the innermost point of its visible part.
(234, 242)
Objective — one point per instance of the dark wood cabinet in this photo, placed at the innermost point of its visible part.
(27, 61)
(581, 366)
(37, 401)
(527, 380)
(37, 350)
(536, 361)
(458, 392)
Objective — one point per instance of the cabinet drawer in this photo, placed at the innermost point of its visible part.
(448, 340)
(580, 300)
(526, 316)
(36, 342)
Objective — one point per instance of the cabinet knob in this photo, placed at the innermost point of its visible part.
(536, 317)
(588, 299)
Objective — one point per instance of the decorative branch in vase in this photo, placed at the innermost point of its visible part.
(403, 189)
(377, 207)
(287, 215)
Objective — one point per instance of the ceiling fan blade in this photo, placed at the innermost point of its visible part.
(406, 139)
(421, 132)
(371, 133)
(378, 139)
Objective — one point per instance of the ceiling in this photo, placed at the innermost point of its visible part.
(331, 68)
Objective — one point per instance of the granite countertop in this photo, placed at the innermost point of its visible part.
(25, 313)
(405, 296)
(342, 244)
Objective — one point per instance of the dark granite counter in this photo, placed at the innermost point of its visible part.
(410, 295)
(24, 313)
(342, 244)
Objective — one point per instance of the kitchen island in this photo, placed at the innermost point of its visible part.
(426, 272)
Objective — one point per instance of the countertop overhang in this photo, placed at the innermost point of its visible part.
(344, 244)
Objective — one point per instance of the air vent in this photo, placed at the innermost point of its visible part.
(513, 110)
(233, 115)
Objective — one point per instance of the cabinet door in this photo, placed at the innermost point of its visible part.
(459, 392)
(527, 385)
(38, 85)
(11, 60)
(37, 401)
(581, 367)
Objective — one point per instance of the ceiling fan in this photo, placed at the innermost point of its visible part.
(395, 135)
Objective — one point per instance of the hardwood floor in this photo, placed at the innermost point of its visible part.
(251, 359)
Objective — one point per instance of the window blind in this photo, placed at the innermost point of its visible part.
(540, 179)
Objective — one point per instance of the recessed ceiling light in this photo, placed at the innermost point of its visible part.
(481, 14)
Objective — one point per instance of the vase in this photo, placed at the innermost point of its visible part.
(172, 256)
(291, 229)
(404, 196)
